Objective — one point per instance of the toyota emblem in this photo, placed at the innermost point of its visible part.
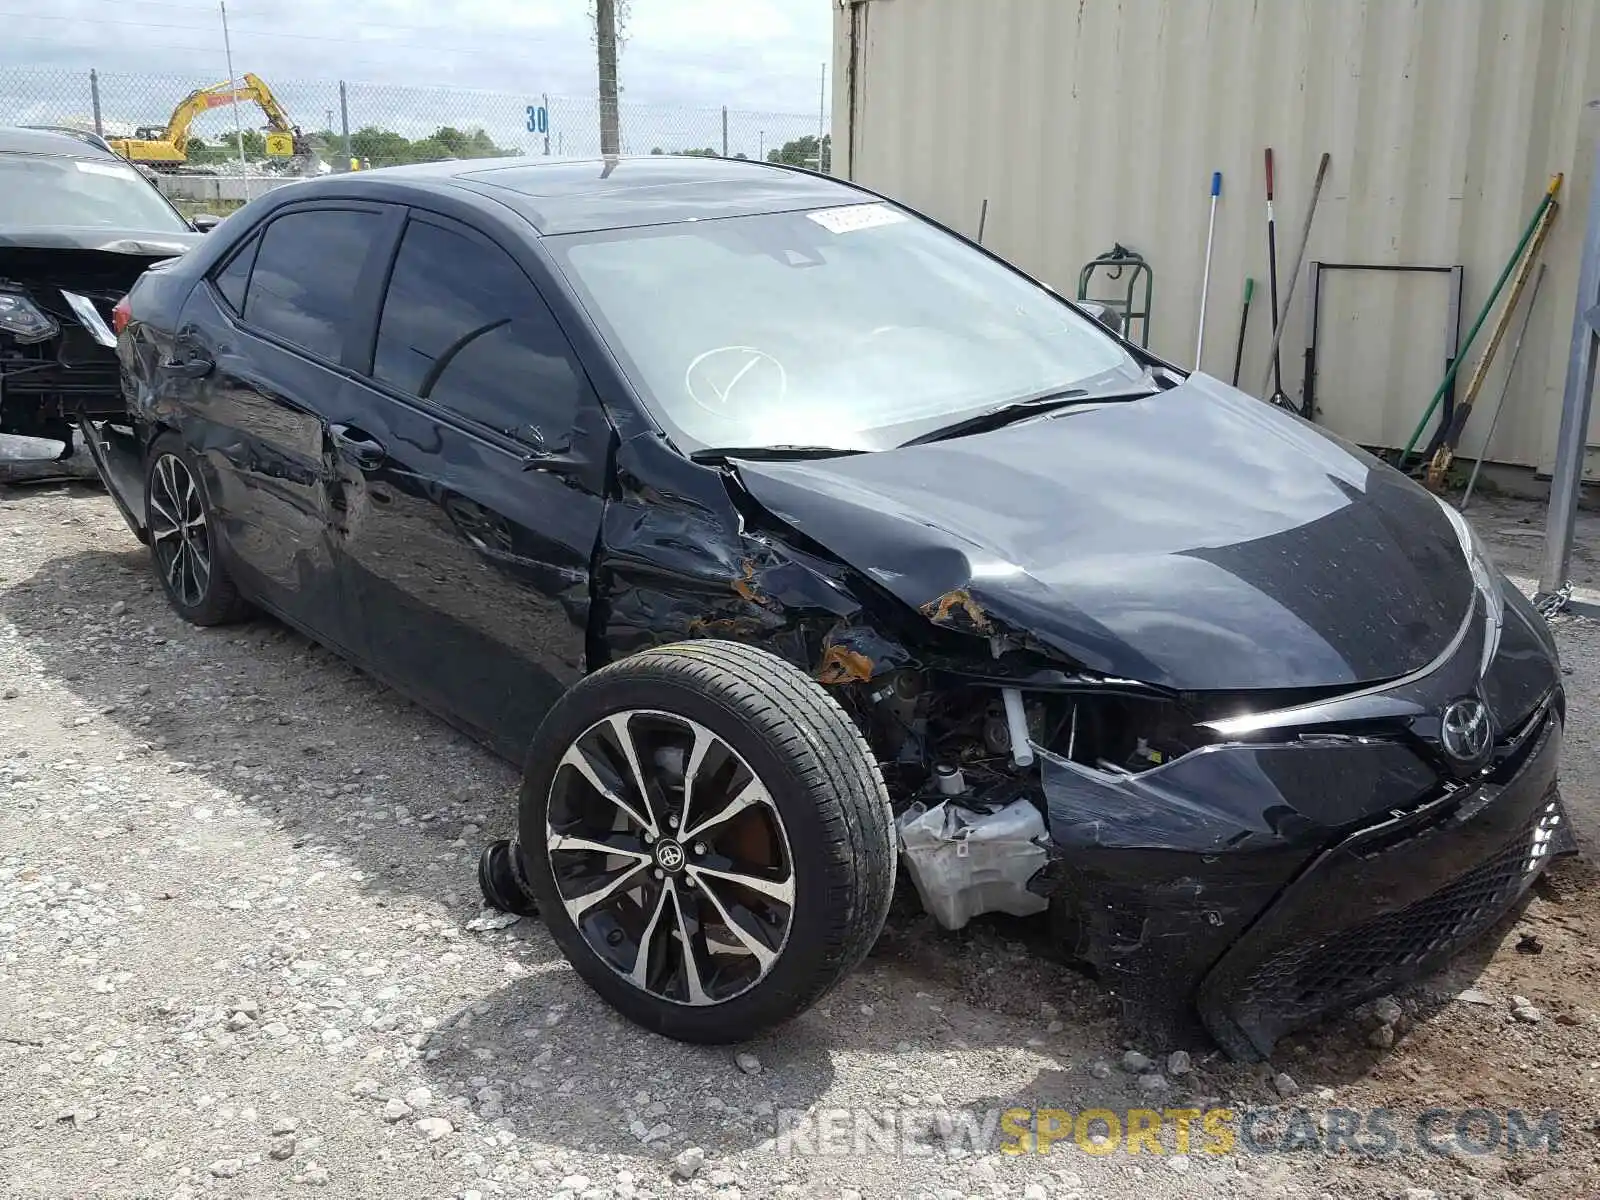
(1464, 729)
(669, 855)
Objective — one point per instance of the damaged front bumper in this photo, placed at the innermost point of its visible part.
(1391, 902)
(1257, 924)
(1309, 857)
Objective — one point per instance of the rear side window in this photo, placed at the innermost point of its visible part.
(463, 327)
(305, 275)
(232, 280)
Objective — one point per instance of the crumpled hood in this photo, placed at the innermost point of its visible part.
(147, 243)
(102, 264)
(1198, 540)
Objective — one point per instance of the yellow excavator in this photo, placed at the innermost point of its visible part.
(166, 149)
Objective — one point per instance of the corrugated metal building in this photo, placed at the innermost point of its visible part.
(1090, 122)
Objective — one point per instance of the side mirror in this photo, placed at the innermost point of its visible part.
(205, 222)
(1104, 313)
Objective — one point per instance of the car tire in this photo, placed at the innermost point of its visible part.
(182, 537)
(783, 877)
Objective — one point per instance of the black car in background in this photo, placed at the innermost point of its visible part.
(78, 225)
(754, 514)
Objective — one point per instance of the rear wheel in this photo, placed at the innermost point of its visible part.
(183, 538)
(707, 837)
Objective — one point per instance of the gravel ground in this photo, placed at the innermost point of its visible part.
(241, 954)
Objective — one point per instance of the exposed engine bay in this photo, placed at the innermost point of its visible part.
(961, 763)
(58, 357)
(924, 727)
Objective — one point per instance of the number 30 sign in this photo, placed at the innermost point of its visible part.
(538, 119)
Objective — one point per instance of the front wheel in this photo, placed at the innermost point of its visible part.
(708, 838)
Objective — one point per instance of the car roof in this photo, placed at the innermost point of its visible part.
(559, 196)
(15, 139)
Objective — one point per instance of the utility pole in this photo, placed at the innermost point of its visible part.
(605, 36)
(344, 123)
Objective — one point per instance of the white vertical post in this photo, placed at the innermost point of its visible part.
(238, 122)
(1576, 399)
(822, 118)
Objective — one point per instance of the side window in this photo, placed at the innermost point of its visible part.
(233, 278)
(306, 273)
(463, 327)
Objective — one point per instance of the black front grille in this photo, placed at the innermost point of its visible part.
(64, 384)
(1304, 980)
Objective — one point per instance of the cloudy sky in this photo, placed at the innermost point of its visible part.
(760, 55)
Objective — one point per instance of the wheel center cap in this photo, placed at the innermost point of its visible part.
(669, 855)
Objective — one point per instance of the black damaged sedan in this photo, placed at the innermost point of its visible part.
(756, 514)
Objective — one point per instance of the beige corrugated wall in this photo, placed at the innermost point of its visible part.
(1089, 122)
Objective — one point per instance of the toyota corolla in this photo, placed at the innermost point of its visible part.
(786, 537)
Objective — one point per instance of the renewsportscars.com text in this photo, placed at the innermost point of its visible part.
(1369, 1133)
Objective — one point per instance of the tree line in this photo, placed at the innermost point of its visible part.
(800, 152)
(385, 147)
(378, 146)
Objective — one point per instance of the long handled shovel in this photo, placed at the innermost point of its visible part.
(1279, 396)
(1294, 275)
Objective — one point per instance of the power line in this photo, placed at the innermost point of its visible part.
(189, 47)
(209, 10)
(197, 9)
(297, 37)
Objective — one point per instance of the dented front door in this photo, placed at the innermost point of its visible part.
(471, 472)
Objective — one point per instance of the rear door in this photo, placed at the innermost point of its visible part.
(472, 470)
(261, 356)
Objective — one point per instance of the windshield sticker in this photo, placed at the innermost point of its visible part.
(98, 168)
(856, 216)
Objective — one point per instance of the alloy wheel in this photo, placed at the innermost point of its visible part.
(670, 857)
(178, 530)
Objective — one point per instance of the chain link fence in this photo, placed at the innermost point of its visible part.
(384, 125)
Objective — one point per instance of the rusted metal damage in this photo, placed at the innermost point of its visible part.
(744, 588)
(858, 654)
(958, 610)
(842, 665)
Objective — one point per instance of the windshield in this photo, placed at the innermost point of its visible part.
(80, 192)
(855, 327)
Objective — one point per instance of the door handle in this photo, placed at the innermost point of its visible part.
(196, 366)
(361, 448)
